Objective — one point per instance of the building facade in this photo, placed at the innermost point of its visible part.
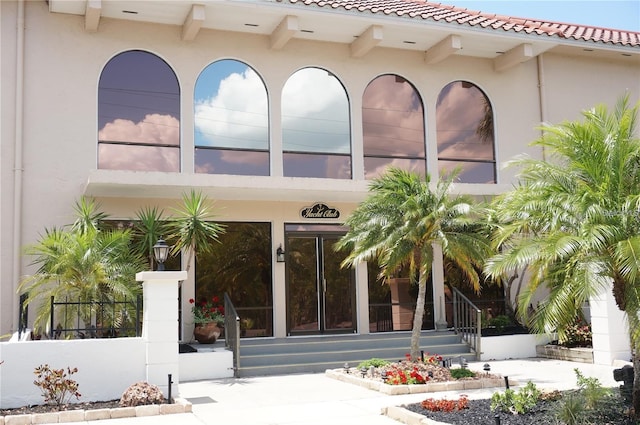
(281, 112)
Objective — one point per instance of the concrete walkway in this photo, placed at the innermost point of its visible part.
(314, 399)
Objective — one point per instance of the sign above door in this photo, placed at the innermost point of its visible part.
(319, 210)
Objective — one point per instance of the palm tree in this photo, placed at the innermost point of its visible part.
(399, 224)
(192, 227)
(149, 227)
(574, 222)
(82, 263)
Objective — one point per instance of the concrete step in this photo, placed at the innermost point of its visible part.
(316, 354)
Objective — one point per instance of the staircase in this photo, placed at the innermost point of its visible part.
(260, 357)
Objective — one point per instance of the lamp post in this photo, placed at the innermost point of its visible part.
(161, 252)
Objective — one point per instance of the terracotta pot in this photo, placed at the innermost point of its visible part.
(207, 333)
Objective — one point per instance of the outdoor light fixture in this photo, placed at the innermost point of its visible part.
(486, 367)
(161, 252)
(346, 368)
(280, 254)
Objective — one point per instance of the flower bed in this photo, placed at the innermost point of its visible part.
(413, 377)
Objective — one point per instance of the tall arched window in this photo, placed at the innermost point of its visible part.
(392, 126)
(138, 114)
(316, 135)
(231, 120)
(464, 125)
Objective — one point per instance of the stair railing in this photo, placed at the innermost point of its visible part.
(232, 333)
(467, 321)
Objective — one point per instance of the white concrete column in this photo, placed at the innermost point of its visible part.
(610, 330)
(160, 327)
(362, 298)
(437, 276)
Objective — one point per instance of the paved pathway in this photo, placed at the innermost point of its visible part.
(314, 399)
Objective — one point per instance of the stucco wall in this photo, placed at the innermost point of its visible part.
(62, 69)
(106, 367)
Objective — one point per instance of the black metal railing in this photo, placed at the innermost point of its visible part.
(23, 315)
(467, 321)
(232, 333)
(95, 319)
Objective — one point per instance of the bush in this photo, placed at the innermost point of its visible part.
(445, 405)
(141, 393)
(577, 335)
(373, 362)
(55, 385)
(500, 322)
(460, 373)
(517, 403)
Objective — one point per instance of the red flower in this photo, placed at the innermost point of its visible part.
(191, 301)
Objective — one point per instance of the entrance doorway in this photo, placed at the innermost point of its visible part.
(320, 293)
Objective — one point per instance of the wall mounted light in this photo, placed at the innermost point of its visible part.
(280, 254)
(161, 252)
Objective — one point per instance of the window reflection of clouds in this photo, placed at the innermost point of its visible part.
(393, 126)
(316, 132)
(138, 104)
(231, 120)
(231, 107)
(315, 113)
(464, 127)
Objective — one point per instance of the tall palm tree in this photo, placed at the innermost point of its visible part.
(574, 221)
(399, 224)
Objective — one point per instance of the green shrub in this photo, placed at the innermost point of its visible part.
(500, 322)
(592, 391)
(517, 403)
(459, 373)
(373, 362)
(571, 410)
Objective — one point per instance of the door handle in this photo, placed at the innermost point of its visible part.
(324, 285)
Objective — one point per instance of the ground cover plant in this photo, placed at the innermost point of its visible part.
(590, 403)
(427, 368)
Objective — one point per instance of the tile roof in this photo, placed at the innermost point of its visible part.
(416, 9)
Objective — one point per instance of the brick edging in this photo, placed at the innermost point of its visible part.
(179, 406)
(458, 385)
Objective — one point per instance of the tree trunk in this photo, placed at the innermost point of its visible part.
(419, 314)
(636, 382)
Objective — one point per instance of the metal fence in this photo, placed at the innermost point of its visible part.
(95, 319)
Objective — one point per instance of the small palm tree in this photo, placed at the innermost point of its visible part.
(574, 222)
(192, 227)
(149, 227)
(82, 263)
(399, 224)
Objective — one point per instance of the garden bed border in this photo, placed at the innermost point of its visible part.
(429, 387)
(179, 406)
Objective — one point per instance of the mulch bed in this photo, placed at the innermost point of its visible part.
(545, 413)
(47, 408)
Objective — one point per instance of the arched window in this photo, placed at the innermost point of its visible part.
(316, 134)
(231, 120)
(464, 125)
(138, 114)
(392, 126)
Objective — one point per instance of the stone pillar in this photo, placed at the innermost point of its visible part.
(160, 327)
(610, 330)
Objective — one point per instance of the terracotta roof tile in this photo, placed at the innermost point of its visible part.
(416, 9)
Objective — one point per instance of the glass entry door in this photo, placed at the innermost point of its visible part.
(320, 294)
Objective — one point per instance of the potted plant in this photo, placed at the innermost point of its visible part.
(208, 317)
